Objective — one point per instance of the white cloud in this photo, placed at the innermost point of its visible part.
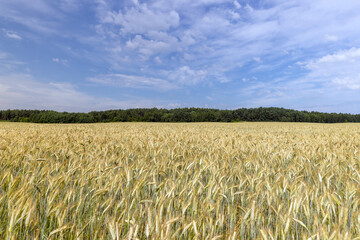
(237, 4)
(132, 81)
(21, 91)
(344, 56)
(35, 6)
(148, 47)
(64, 62)
(13, 35)
(331, 38)
(234, 15)
(158, 59)
(348, 82)
(69, 5)
(136, 2)
(187, 76)
(140, 19)
(187, 4)
(223, 33)
(171, 79)
(3, 55)
(37, 15)
(330, 83)
(340, 69)
(213, 23)
(182, 43)
(285, 26)
(257, 59)
(8, 63)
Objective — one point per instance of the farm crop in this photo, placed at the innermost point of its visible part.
(180, 181)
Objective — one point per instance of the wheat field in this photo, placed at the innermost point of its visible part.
(180, 181)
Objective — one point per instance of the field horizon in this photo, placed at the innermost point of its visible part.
(260, 114)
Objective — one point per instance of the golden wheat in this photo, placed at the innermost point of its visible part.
(180, 181)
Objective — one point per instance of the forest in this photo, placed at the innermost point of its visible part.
(271, 114)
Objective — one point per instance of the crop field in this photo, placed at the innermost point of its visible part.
(180, 181)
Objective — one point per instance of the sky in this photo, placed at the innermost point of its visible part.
(82, 55)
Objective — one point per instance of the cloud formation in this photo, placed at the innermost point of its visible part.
(140, 19)
(259, 52)
(13, 35)
(21, 91)
(339, 69)
(132, 81)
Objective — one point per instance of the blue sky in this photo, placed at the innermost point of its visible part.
(77, 55)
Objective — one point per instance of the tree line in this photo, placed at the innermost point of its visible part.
(271, 114)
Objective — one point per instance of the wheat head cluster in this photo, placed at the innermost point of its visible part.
(180, 181)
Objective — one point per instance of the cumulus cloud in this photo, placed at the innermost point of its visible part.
(223, 33)
(187, 76)
(140, 19)
(340, 69)
(148, 47)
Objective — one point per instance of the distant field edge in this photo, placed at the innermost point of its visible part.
(261, 114)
